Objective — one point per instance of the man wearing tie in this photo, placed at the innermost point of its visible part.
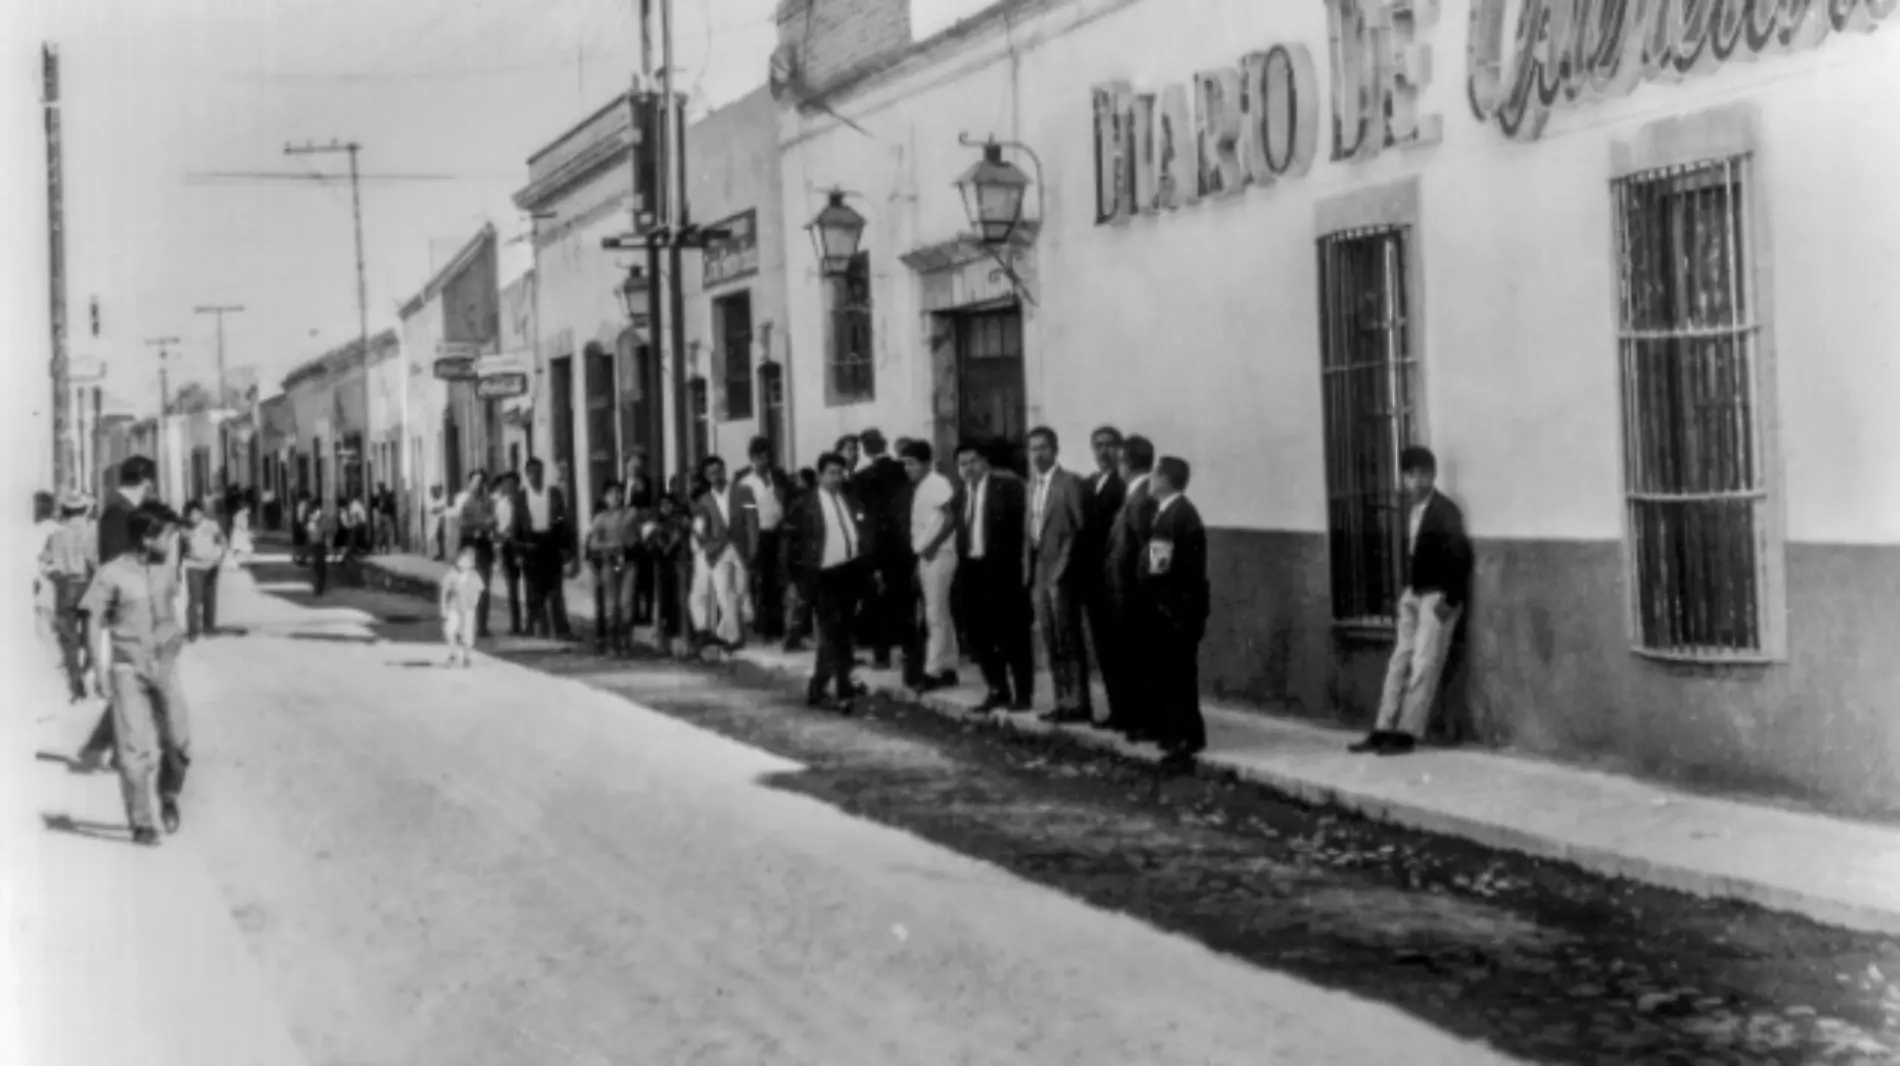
(1122, 673)
(831, 552)
(995, 517)
(1103, 494)
(1173, 615)
(1055, 525)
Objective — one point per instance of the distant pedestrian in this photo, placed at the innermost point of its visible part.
(45, 522)
(243, 544)
(67, 564)
(203, 557)
(1437, 577)
(604, 556)
(317, 537)
(138, 476)
(463, 594)
(132, 598)
(475, 522)
(435, 533)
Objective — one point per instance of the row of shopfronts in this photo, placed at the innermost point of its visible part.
(1624, 266)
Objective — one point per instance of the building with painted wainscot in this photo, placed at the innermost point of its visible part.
(1626, 275)
(329, 402)
(605, 390)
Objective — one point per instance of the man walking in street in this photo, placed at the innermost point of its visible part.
(137, 476)
(932, 654)
(134, 597)
(833, 541)
(1055, 526)
(763, 493)
(1173, 618)
(1123, 675)
(1437, 576)
(995, 517)
(67, 563)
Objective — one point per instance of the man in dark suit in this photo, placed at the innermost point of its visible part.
(543, 527)
(1437, 578)
(1102, 496)
(1055, 581)
(1122, 673)
(879, 486)
(138, 477)
(763, 495)
(833, 537)
(991, 546)
(1173, 616)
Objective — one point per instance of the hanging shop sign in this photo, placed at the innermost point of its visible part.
(455, 368)
(1257, 122)
(736, 256)
(1572, 52)
(501, 386)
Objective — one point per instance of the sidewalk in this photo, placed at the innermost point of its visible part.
(1831, 870)
(110, 954)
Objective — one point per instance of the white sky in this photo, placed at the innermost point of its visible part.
(153, 90)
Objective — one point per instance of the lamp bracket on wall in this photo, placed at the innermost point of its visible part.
(1006, 256)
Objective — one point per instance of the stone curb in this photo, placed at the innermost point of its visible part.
(1595, 860)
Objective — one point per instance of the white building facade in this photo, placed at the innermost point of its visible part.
(1621, 277)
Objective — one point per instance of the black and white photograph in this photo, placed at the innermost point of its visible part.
(964, 532)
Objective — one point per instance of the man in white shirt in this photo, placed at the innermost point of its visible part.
(763, 494)
(718, 573)
(832, 550)
(933, 525)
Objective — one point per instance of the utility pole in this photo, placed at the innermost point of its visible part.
(224, 444)
(674, 181)
(56, 254)
(362, 288)
(164, 405)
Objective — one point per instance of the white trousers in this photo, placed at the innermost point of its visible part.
(1418, 659)
(937, 577)
(718, 596)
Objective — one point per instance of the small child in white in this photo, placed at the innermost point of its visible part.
(462, 590)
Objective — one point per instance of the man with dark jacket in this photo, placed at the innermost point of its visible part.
(1173, 613)
(990, 545)
(879, 487)
(1437, 577)
(1122, 673)
(833, 538)
(1102, 497)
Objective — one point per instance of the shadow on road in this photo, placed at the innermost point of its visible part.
(63, 823)
(1542, 960)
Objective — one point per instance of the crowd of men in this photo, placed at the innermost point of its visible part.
(937, 563)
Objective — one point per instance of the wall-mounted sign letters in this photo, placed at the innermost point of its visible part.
(738, 255)
(1380, 67)
(1569, 52)
(455, 368)
(1247, 125)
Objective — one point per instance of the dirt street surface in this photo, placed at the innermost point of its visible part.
(557, 858)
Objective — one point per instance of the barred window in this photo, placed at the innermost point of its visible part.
(732, 330)
(852, 376)
(1369, 376)
(1696, 494)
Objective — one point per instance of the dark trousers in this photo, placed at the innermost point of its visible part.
(611, 626)
(999, 623)
(70, 626)
(319, 568)
(835, 594)
(893, 604)
(547, 600)
(201, 600)
(1126, 662)
(768, 585)
(511, 576)
(485, 566)
(1174, 686)
(1105, 641)
(644, 569)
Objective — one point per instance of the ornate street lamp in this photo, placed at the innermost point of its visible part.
(835, 234)
(633, 297)
(993, 194)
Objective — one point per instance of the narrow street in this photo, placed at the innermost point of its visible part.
(552, 858)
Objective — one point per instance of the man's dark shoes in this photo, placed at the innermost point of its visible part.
(995, 701)
(814, 695)
(947, 679)
(168, 815)
(145, 836)
(1398, 744)
(1067, 716)
(1375, 741)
